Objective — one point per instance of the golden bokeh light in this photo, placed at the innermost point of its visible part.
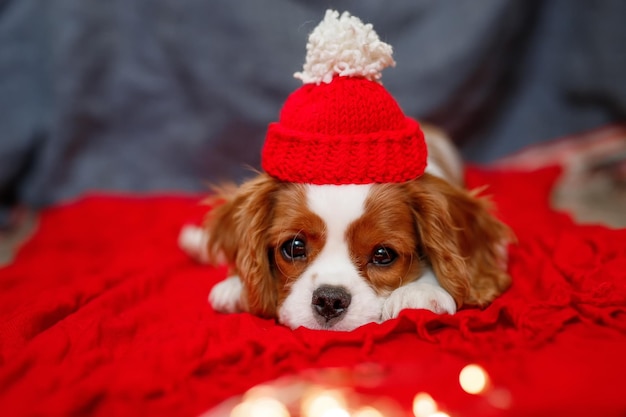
(367, 412)
(473, 379)
(336, 412)
(260, 407)
(424, 405)
(325, 403)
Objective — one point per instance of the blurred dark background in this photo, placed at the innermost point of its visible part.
(167, 95)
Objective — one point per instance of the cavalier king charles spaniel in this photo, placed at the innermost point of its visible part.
(339, 256)
(358, 214)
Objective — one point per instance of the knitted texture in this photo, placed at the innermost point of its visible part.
(94, 322)
(350, 131)
(342, 126)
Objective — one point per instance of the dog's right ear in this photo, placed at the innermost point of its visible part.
(237, 234)
(222, 234)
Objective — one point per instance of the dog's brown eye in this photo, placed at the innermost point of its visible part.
(383, 256)
(294, 249)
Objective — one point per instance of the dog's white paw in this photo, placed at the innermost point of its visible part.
(193, 240)
(418, 295)
(225, 296)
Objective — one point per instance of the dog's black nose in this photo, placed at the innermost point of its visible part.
(329, 301)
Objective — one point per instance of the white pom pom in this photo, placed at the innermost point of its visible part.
(344, 46)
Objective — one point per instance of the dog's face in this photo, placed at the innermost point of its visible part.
(329, 256)
(339, 251)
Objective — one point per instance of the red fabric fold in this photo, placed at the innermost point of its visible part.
(102, 314)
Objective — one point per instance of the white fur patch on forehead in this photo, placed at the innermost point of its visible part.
(337, 205)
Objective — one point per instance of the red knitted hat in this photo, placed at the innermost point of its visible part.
(342, 126)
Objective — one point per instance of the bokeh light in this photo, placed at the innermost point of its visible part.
(336, 412)
(260, 407)
(326, 403)
(473, 379)
(424, 405)
(367, 412)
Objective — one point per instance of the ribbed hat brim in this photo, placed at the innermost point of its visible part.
(377, 157)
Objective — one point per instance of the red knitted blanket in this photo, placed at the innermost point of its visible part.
(102, 315)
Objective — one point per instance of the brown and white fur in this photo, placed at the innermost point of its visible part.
(340, 256)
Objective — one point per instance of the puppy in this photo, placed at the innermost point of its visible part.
(340, 256)
(358, 214)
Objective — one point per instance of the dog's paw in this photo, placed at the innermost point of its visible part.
(193, 241)
(418, 296)
(225, 296)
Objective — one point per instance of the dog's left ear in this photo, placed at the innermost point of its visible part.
(464, 242)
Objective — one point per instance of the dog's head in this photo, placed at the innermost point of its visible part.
(327, 256)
